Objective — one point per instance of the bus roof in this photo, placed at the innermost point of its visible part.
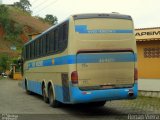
(102, 15)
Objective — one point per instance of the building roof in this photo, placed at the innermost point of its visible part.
(141, 40)
(147, 28)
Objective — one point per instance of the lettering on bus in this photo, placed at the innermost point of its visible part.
(104, 60)
(84, 65)
(33, 64)
(39, 63)
(101, 31)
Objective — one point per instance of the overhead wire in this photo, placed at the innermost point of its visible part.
(38, 5)
(34, 1)
(47, 6)
(9, 1)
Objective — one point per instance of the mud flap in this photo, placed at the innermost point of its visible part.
(65, 87)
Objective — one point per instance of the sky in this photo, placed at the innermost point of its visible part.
(145, 13)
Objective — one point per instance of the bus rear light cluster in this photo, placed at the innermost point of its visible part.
(74, 77)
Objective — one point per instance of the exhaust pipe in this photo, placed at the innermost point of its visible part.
(130, 93)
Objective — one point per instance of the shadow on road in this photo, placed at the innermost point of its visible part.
(85, 109)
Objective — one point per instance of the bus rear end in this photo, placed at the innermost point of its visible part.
(105, 53)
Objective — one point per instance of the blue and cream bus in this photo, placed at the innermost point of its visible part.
(88, 58)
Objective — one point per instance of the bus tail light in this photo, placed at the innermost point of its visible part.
(74, 77)
(135, 74)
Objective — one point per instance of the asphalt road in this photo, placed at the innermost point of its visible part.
(15, 103)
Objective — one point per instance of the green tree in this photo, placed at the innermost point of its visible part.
(24, 5)
(4, 15)
(51, 19)
(4, 61)
(3, 11)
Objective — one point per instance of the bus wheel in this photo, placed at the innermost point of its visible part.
(44, 95)
(52, 101)
(26, 88)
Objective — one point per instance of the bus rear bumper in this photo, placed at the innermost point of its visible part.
(79, 96)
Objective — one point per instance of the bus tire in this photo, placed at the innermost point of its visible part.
(44, 93)
(52, 100)
(26, 88)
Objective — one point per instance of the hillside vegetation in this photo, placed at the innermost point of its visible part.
(15, 26)
(27, 20)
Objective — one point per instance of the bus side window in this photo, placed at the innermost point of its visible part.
(63, 36)
(47, 43)
(65, 32)
(30, 45)
(26, 55)
(51, 41)
(56, 40)
(32, 50)
(40, 47)
(35, 52)
(44, 45)
(37, 44)
(29, 53)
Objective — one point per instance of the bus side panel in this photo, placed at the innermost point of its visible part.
(61, 96)
(59, 93)
(34, 86)
(65, 87)
(62, 91)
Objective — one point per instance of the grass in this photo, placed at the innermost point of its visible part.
(145, 103)
(142, 103)
(151, 101)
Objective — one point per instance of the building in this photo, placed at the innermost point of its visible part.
(32, 36)
(148, 49)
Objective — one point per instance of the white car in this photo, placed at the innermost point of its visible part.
(4, 75)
